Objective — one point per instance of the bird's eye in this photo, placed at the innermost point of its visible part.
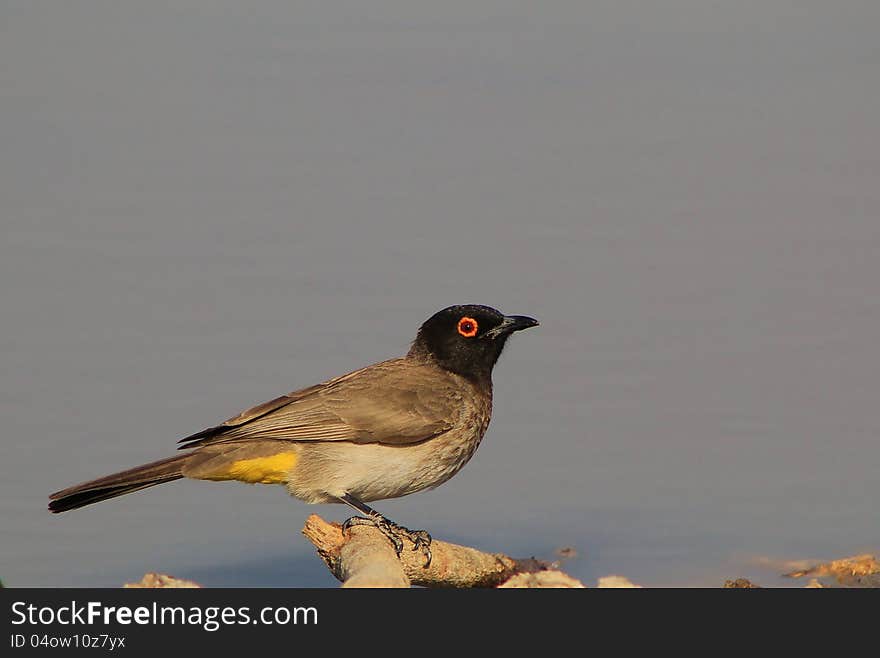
(467, 327)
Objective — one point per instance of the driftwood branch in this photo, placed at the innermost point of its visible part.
(363, 557)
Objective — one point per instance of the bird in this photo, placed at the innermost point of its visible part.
(387, 430)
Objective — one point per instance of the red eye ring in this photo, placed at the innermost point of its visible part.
(467, 327)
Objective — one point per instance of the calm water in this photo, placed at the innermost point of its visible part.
(204, 205)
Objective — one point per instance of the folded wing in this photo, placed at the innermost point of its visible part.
(395, 402)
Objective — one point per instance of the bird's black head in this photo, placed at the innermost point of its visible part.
(467, 339)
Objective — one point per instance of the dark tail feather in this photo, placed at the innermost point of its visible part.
(118, 484)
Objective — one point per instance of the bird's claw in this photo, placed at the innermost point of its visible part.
(420, 539)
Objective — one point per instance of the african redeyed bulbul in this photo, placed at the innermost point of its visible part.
(387, 430)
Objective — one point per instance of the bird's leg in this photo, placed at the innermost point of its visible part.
(420, 539)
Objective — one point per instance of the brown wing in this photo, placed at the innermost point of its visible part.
(394, 402)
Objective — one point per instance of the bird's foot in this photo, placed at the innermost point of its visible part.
(420, 539)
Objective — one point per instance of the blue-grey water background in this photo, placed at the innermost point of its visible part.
(206, 204)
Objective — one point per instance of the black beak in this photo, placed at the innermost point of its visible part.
(510, 324)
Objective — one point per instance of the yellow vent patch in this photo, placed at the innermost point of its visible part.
(262, 470)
